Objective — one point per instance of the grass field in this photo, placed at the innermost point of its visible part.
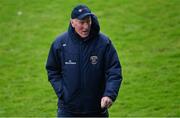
(145, 33)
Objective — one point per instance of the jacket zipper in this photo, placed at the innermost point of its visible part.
(80, 66)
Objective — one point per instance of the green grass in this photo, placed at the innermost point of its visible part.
(145, 34)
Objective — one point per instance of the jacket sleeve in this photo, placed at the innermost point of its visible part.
(113, 72)
(54, 69)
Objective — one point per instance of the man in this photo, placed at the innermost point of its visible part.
(83, 68)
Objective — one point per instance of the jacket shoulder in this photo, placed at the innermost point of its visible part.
(60, 39)
(104, 39)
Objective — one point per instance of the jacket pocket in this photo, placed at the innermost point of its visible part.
(70, 95)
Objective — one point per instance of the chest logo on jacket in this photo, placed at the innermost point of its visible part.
(94, 59)
(69, 62)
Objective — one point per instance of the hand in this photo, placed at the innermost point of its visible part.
(106, 102)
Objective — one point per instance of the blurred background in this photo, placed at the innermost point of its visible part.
(145, 33)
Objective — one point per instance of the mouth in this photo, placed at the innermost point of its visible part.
(85, 32)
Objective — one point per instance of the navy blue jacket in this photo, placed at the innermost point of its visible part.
(83, 71)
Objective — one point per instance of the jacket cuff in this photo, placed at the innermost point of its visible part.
(113, 98)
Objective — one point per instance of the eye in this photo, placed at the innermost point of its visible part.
(81, 22)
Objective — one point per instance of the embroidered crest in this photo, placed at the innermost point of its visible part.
(94, 59)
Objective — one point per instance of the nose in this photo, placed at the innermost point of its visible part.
(86, 25)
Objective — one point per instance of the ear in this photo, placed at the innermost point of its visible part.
(72, 23)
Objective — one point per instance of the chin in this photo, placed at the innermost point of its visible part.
(84, 36)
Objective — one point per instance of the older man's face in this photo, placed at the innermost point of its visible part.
(82, 27)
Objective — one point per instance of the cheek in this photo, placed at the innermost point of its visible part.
(79, 27)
